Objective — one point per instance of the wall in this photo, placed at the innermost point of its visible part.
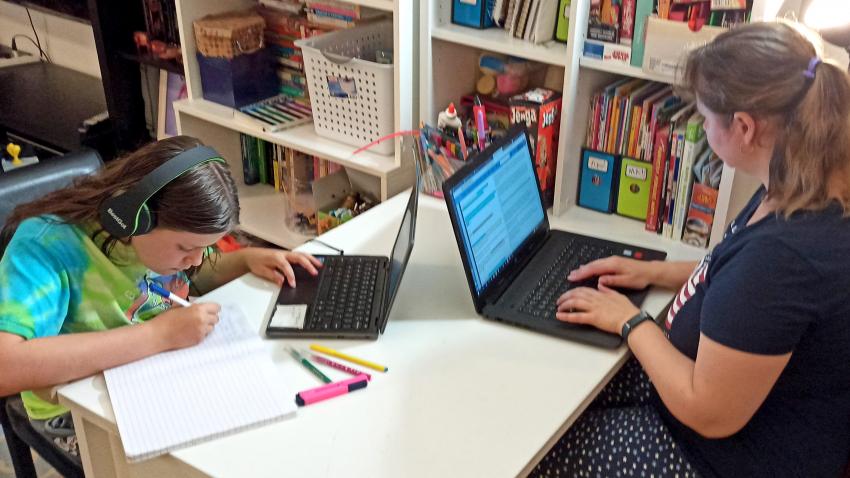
(68, 43)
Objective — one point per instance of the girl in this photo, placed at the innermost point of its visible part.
(748, 374)
(67, 286)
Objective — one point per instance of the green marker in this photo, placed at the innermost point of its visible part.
(312, 368)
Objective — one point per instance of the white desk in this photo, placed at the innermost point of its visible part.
(463, 396)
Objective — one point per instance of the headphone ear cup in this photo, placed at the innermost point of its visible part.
(146, 221)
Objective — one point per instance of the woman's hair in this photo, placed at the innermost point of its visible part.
(202, 200)
(772, 70)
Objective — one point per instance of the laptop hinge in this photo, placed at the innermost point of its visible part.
(385, 313)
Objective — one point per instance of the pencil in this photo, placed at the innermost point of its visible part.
(334, 353)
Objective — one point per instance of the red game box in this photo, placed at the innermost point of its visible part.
(540, 110)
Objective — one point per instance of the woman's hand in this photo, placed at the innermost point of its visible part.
(180, 327)
(605, 309)
(616, 271)
(276, 265)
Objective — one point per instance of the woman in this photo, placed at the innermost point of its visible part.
(68, 287)
(749, 375)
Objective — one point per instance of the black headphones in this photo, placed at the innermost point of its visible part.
(128, 214)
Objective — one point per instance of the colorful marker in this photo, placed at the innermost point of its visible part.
(306, 363)
(330, 390)
(349, 358)
(480, 123)
(345, 368)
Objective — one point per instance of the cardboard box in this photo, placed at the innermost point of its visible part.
(604, 51)
(668, 42)
(540, 110)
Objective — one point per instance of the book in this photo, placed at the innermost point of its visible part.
(643, 9)
(695, 143)
(697, 230)
(660, 157)
(182, 397)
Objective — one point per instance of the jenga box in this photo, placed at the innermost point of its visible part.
(540, 110)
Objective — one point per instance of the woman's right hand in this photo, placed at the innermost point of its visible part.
(181, 327)
(616, 271)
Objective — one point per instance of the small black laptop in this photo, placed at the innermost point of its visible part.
(515, 265)
(351, 297)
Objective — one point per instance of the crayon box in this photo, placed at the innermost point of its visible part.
(540, 110)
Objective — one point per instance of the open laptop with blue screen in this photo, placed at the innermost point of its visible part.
(515, 265)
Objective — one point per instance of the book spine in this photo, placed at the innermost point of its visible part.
(643, 9)
(659, 161)
(627, 22)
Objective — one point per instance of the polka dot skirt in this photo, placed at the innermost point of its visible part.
(621, 434)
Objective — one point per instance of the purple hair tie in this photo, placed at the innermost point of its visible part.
(810, 71)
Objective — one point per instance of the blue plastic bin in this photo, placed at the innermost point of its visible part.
(240, 80)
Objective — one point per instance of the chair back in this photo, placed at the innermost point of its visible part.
(29, 183)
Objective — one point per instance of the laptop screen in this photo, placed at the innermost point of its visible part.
(497, 207)
(403, 246)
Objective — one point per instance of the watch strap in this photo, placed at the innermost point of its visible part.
(630, 324)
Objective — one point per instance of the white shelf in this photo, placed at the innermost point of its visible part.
(386, 5)
(498, 40)
(264, 213)
(617, 228)
(302, 138)
(625, 70)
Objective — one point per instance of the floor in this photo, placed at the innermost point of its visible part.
(6, 471)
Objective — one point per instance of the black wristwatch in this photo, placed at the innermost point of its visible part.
(633, 322)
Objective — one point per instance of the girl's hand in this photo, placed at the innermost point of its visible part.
(180, 327)
(616, 271)
(276, 265)
(605, 309)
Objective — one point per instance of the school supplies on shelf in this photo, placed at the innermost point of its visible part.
(184, 397)
(346, 357)
(274, 114)
(439, 155)
(335, 389)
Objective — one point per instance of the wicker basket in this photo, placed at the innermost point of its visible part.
(226, 35)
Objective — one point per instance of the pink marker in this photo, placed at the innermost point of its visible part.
(330, 390)
(339, 366)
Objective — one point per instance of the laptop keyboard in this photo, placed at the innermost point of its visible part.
(540, 302)
(344, 301)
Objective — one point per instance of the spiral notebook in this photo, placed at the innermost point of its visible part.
(175, 399)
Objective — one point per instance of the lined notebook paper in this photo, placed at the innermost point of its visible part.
(225, 384)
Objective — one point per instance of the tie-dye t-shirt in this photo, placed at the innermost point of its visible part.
(54, 279)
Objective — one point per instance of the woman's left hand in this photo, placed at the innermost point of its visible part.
(605, 309)
(276, 265)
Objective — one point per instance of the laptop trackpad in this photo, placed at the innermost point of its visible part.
(293, 302)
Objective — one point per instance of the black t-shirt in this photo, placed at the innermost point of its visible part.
(774, 287)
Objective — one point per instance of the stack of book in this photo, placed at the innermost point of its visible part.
(532, 20)
(282, 29)
(616, 29)
(287, 170)
(652, 147)
(333, 14)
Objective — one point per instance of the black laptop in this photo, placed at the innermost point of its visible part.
(516, 266)
(351, 297)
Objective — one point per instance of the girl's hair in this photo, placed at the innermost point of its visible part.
(202, 200)
(772, 70)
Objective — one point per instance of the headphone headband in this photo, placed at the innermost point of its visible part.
(128, 215)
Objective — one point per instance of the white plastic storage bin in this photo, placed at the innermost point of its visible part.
(350, 93)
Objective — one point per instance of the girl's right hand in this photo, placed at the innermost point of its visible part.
(181, 327)
(616, 271)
